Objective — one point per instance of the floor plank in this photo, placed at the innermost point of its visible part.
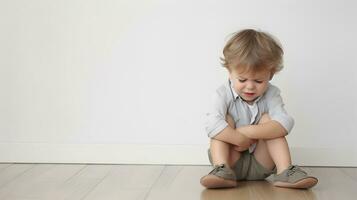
(79, 185)
(179, 182)
(4, 166)
(10, 173)
(39, 182)
(126, 182)
(333, 184)
(351, 172)
(265, 190)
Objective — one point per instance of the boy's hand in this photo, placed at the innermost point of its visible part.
(239, 148)
(243, 141)
(244, 147)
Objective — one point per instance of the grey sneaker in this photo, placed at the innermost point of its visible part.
(294, 177)
(220, 177)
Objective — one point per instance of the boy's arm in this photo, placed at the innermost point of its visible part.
(267, 130)
(221, 126)
(276, 123)
(234, 137)
(240, 140)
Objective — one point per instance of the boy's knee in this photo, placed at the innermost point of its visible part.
(265, 118)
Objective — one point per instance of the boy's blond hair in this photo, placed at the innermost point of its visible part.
(253, 50)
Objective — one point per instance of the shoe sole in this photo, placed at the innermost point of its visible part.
(211, 181)
(302, 184)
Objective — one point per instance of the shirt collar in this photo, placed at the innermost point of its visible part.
(236, 95)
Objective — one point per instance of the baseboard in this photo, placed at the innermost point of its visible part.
(151, 154)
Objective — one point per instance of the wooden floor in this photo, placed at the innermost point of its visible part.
(154, 182)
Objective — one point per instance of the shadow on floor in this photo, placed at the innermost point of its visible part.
(257, 190)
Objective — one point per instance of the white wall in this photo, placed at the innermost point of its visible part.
(127, 81)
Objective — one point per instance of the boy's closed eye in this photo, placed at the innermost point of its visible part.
(242, 80)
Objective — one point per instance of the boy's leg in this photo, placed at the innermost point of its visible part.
(223, 158)
(261, 154)
(219, 152)
(224, 153)
(222, 176)
(279, 154)
(274, 150)
(234, 155)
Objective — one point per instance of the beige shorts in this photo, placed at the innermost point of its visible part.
(248, 168)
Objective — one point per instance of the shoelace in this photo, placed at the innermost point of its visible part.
(217, 168)
(293, 169)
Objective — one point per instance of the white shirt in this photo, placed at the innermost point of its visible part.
(226, 101)
(254, 112)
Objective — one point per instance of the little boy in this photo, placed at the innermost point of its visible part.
(248, 123)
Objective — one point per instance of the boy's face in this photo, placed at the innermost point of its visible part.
(250, 85)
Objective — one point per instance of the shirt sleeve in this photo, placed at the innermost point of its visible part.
(216, 117)
(277, 111)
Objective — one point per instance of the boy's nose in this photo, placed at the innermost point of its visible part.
(250, 85)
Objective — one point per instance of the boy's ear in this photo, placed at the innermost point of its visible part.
(230, 76)
(271, 75)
